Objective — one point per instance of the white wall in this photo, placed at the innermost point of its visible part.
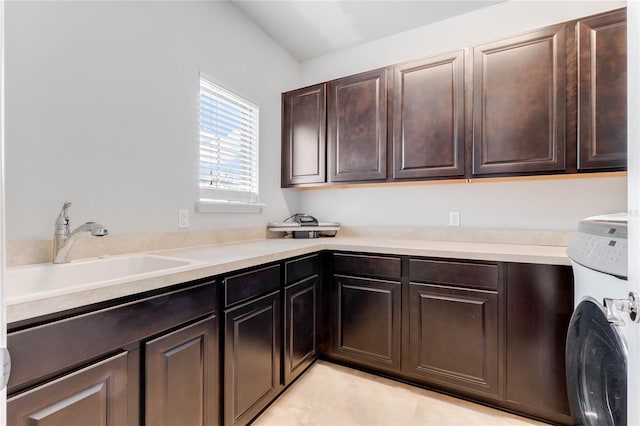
(102, 110)
(551, 204)
(537, 204)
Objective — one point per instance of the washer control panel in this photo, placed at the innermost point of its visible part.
(601, 245)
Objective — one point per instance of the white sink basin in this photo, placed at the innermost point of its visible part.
(26, 283)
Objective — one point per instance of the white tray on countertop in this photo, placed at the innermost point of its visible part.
(293, 226)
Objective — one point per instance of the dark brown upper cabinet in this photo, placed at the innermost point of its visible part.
(304, 119)
(429, 117)
(602, 91)
(357, 127)
(519, 104)
(551, 101)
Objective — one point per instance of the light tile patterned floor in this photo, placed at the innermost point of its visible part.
(332, 395)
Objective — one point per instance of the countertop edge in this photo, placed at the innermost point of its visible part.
(237, 256)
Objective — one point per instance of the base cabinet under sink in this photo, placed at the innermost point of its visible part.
(95, 395)
(152, 361)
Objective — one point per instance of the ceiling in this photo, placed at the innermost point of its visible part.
(308, 29)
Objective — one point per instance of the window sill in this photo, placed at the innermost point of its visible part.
(228, 207)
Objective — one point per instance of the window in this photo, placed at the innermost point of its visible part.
(228, 151)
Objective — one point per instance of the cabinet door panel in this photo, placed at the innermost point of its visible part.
(251, 358)
(602, 91)
(300, 317)
(519, 104)
(367, 321)
(428, 117)
(539, 307)
(182, 377)
(303, 136)
(95, 395)
(357, 137)
(453, 337)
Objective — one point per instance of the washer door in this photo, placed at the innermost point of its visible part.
(596, 364)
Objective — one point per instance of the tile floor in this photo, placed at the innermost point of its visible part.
(333, 395)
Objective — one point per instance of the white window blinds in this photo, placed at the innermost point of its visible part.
(228, 146)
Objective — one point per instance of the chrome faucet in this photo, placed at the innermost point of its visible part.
(63, 238)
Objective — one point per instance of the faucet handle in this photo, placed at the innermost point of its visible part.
(65, 207)
(62, 222)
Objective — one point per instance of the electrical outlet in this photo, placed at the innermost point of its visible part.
(183, 218)
(454, 218)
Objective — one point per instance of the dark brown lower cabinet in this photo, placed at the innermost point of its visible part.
(488, 331)
(182, 376)
(253, 342)
(366, 321)
(539, 307)
(454, 337)
(149, 361)
(95, 395)
(301, 319)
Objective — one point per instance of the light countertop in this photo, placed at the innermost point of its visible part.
(223, 258)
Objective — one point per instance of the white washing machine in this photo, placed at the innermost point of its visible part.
(596, 350)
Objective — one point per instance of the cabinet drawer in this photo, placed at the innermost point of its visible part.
(73, 341)
(251, 284)
(296, 270)
(371, 266)
(476, 275)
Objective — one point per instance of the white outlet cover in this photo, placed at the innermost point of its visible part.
(183, 219)
(454, 218)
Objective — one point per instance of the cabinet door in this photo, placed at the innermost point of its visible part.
(304, 119)
(519, 104)
(367, 321)
(453, 337)
(95, 395)
(539, 307)
(252, 352)
(300, 318)
(181, 376)
(357, 137)
(602, 92)
(429, 117)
